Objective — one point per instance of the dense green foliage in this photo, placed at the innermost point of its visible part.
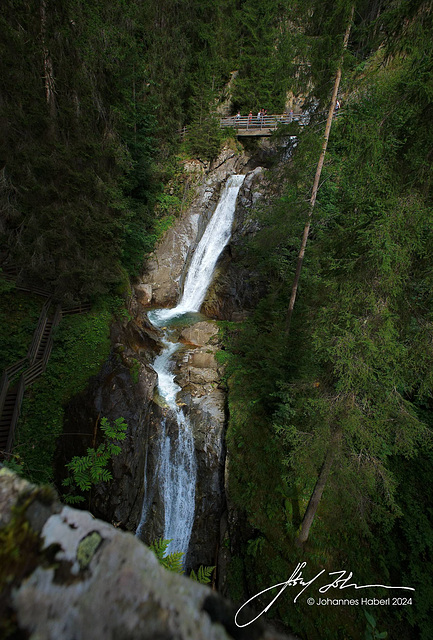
(82, 86)
(77, 142)
(359, 356)
(92, 468)
(265, 55)
(19, 314)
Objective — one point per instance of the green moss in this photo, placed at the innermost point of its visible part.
(20, 550)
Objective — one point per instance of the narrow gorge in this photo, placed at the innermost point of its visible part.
(169, 478)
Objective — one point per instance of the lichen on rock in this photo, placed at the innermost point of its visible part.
(87, 548)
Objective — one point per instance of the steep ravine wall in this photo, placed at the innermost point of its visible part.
(123, 388)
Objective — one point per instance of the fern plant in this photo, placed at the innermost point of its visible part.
(173, 561)
(203, 575)
(92, 468)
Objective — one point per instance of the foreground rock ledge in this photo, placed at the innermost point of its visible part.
(73, 577)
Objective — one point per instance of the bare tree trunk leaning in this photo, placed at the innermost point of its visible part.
(322, 478)
(48, 66)
(316, 496)
(317, 178)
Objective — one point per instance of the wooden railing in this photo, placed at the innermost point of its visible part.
(38, 291)
(4, 384)
(16, 367)
(12, 272)
(40, 364)
(37, 336)
(49, 345)
(258, 123)
(16, 414)
(263, 125)
(83, 307)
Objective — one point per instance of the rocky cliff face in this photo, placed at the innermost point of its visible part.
(165, 269)
(123, 388)
(234, 290)
(65, 575)
(199, 377)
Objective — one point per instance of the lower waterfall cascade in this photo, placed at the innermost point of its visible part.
(176, 470)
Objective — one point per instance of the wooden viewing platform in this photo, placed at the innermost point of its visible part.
(263, 126)
(259, 126)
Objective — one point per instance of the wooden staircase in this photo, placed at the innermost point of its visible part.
(44, 339)
(12, 388)
(6, 417)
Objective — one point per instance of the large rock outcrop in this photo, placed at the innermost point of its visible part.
(65, 575)
(199, 376)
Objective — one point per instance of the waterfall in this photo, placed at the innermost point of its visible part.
(206, 254)
(176, 470)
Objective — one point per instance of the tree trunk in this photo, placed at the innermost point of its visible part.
(317, 179)
(48, 67)
(316, 496)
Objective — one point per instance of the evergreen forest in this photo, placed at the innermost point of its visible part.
(330, 408)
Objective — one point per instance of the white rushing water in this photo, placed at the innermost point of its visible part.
(177, 466)
(206, 254)
(177, 470)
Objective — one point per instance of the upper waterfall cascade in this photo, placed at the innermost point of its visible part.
(206, 254)
(176, 470)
